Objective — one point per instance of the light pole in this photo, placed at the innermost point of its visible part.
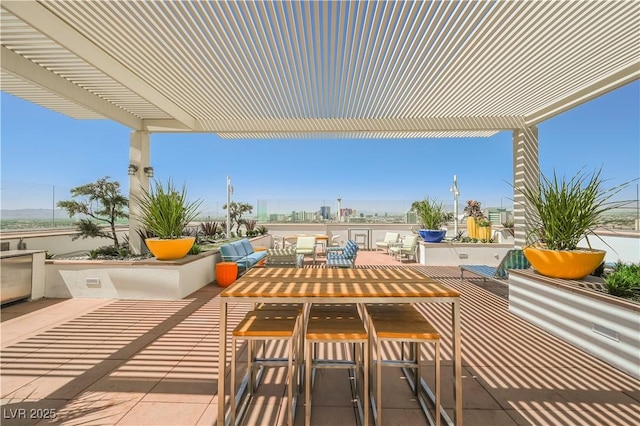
(339, 209)
(229, 192)
(456, 194)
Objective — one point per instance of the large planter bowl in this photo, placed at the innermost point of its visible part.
(170, 249)
(570, 265)
(432, 235)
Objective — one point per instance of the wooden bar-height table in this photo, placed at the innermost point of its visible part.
(292, 285)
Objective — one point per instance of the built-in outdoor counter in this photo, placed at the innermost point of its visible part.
(22, 275)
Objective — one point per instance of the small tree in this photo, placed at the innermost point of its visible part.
(102, 202)
(235, 213)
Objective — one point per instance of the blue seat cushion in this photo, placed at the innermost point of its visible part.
(248, 248)
(240, 248)
(229, 253)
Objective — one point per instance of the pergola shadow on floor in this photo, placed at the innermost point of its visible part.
(155, 363)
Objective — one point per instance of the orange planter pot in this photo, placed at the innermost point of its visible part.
(170, 249)
(570, 265)
(226, 273)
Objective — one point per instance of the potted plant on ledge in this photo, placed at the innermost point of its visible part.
(165, 212)
(432, 217)
(565, 212)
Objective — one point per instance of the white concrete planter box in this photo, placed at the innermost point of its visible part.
(148, 279)
(455, 254)
(604, 326)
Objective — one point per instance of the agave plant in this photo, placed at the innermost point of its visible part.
(165, 212)
(568, 210)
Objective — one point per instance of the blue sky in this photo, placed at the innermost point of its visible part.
(41, 149)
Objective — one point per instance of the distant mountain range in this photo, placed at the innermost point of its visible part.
(31, 214)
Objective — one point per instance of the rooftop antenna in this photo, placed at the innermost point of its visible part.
(456, 194)
(229, 192)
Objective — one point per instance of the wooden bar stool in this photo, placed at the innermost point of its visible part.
(331, 323)
(300, 309)
(401, 323)
(267, 325)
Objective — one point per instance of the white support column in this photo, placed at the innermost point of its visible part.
(526, 172)
(139, 157)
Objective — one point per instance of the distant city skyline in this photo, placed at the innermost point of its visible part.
(44, 152)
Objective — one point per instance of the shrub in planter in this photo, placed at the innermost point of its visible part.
(431, 215)
(624, 280)
(565, 212)
(166, 212)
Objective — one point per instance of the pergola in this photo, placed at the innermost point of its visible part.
(298, 69)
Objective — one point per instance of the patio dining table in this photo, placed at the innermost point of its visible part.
(362, 285)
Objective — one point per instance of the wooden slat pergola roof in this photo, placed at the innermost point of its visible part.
(299, 68)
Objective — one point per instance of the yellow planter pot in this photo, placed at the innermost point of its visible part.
(170, 249)
(472, 228)
(484, 233)
(571, 265)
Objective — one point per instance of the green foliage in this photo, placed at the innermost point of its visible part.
(236, 210)
(195, 249)
(430, 213)
(250, 224)
(624, 280)
(210, 229)
(102, 202)
(567, 210)
(262, 230)
(48, 255)
(166, 212)
(483, 222)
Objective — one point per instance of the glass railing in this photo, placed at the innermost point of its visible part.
(30, 206)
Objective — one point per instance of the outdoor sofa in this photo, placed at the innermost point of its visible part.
(242, 253)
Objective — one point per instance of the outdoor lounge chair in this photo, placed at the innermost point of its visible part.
(287, 257)
(389, 237)
(342, 257)
(409, 247)
(306, 246)
(514, 259)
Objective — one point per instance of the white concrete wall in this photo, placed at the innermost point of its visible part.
(624, 247)
(607, 331)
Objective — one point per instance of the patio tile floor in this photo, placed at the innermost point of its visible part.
(151, 362)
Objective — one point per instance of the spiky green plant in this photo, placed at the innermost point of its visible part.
(568, 210)
(165, 212)
(430, 213)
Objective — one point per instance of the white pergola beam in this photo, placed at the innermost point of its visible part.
(607, 84)
(24, 69)
(56, 29)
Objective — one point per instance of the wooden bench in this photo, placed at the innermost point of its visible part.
(514, 259)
